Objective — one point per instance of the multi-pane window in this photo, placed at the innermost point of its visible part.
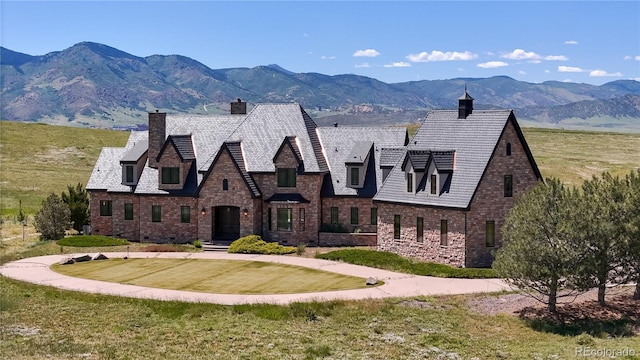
(354, 216)
(284, 219)
(156, 213)
(491, 234)
(171, 175)
(374, 216)
(419, 229)
(444, 230)
(334, 215)
(105, 208)
(185, 214)
(355, 176)
(128, 211)
(396, 226)
(410, 182)
(508, 185)
(128, 173)
(434, 184)
(301, 219)
(286, 177)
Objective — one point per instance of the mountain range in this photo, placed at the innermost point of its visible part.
(91, 84)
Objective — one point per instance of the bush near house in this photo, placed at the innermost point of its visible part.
(91, 240)
(394, 262)
(253, 244)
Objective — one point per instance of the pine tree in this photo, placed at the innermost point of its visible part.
(77, 199)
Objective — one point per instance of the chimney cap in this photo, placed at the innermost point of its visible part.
(239, 100)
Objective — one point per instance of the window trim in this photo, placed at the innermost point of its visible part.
(434, 184)
(490, 233)
(286, 177)
(129, 174)
(288, 212)
(444, 232)
(508, 149)
(170, 175)
(354, 216)
(508, 186)
(301, 219)
(334, 215)
(185, 214)
(225, 184)
(397, 226)
(156, 213)
(128, 210)
(355, 180)
(106, 208)
(410, 182)
(374, 216)
(269, 219)
(419, 229)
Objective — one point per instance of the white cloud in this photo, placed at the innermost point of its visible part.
(600, 73)
(366, 53)
(628, 57)
(493, 64)
(547, 71)
(398, 64)
(363, 65)
(521, 72)
(556, 58)
(570, 69)
(534, 61)
(571, 42)
(323, 57)
(436, 55)
(519, 54)
(636, 79)
(567, 80)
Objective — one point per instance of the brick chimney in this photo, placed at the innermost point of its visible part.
(238, 107)
(465, 105)
(157, 135)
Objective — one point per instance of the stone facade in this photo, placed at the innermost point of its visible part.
(344, 205)
(429, 248)
(347, 239)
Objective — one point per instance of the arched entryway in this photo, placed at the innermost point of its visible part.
(226, 223)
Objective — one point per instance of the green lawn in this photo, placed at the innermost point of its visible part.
(213, 276)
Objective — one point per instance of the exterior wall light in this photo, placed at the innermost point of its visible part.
(245, 212)
(203, 211)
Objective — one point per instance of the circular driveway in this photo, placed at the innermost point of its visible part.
(37, 270)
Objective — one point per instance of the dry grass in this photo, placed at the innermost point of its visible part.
(219, 276)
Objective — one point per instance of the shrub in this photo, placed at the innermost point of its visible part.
(91, 240)
(253, 244)
(300, 249)
(197, 244)
(53, 218)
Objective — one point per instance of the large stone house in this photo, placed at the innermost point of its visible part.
(272, 171)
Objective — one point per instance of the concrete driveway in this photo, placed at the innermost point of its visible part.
(37, 270)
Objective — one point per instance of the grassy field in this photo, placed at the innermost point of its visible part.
(220, 276)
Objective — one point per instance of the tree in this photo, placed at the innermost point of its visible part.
(601, 227)
(21, 216)
(53, 218)
(77, 199)
(631, 268)
(538, 253)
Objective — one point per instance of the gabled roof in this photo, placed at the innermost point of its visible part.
(444, 159)
(390, 156)
(182, 144)
(263, 129)
(234, 149)
(359, 152)
(418, 159)
(148, 183)
(473, 139)
(338, 143)
(134, 154)
(107, 172)
(291, 142)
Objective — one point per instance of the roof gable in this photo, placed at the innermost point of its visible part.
(182, 144)
(234, 149)
(291, 142)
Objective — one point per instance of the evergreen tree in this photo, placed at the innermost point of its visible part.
(631, 268)
(77, 199)
(52, 219)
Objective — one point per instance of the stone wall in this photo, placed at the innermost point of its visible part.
(429, 249)
(489, 202)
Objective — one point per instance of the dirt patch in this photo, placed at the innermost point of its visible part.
(58, 155)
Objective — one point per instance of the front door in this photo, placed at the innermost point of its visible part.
(226, 223)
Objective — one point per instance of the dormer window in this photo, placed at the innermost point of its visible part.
(286, 177)
(171, 175)
(434, 184)
(410, 182)
(355, 176)
(128, 169)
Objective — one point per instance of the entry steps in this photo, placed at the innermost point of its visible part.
(215, 246)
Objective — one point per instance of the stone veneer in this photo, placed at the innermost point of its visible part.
(347, 239)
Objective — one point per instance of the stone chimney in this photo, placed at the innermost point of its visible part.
(157, 135)
(465, 105)
(238, 107)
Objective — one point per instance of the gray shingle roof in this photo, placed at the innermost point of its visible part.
(338, 142)
(264, 129)
(359, 152)
(235, 150)
(136, 152)
(291, 142)
(473, 140)
(183, 146)
(107, 172)
(390, 156)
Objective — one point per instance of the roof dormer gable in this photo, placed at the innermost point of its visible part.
(294, 157)
(357, 163)
(181, 144)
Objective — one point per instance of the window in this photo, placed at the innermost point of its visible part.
(355, 176)
(301, 219)
(334, 215)
(225, 184)
(128, 173)
(354, 216)
(410, 182)
(269, 218)
(444, 229)
(286, 177)
(185, 214)
(374, 216)
(105, 208)
(396, 226)
(434, 184)
(170, 175)
(128, 211)
(491, 233)
(284, 219)
(508, 185)
(156, 213)
(508, 149)
(420, 229)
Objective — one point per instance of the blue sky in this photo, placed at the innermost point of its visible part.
(580, 41)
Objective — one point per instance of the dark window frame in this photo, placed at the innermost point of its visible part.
(225, 184)
(410, 182)
(185, 214)
(354, 216)
(434, 184)
(355, 180)
(156, 213)
(334, 215)
(129, 177)
(419, 229)
(444, 233)
(105, 208)
(397, 226)
(269, 219)
(301, 219)
(509, 149)
(285, 225)
(374, 216)
(490, 233)
(508, 185)
(286, 177)
(170, 175)
(128, 211)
